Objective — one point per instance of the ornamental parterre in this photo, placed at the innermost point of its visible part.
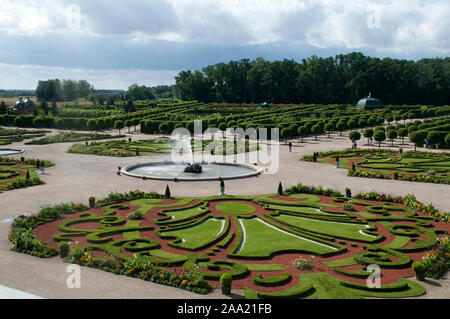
(190, 242)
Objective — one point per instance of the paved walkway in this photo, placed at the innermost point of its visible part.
(76, 177)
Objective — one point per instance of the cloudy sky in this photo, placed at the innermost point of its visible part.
(114, 43)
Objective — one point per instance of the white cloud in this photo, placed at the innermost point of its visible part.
(186, 34)
(405, 25)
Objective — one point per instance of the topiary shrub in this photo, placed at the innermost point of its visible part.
(280, 189)
(419, 268)
(63, 249)
(225, 283)
(349, 206)
(167, 193)
(136, 215)
(92, 202)
(348, 191)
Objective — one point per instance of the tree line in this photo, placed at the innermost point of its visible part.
(343, 79)
(65, 90)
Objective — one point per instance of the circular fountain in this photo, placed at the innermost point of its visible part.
(178, 171)
(184, 167)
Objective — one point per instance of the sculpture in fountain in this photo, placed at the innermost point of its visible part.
(195, 168)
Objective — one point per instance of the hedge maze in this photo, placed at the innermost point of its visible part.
(253, 238)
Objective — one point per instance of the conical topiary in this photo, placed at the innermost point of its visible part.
(280, 189)
(167, 191)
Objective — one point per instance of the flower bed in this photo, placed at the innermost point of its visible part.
(256, 249)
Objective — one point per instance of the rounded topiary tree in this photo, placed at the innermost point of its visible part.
(412, 128)
(380, 119)
(100, 124)
(119, 125)
(362, 123)
(285, 133)
(354, 136)
(340, 126)
(351, 123)
(379, 136)
(368, 133)
(223, 128)
(302, 131)
(329, 128)
(403, 132)
(447, 140)
(129, 124)
(163, 127)
(372, 121)
(417, 138)
(404, 117)
(389, 119)
(316, 130)
(435, 137)
(135, 122)
(392, 135)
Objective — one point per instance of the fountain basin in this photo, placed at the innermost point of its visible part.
(170, 171)
(10, 151)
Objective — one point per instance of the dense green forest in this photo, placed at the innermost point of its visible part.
(340, 79)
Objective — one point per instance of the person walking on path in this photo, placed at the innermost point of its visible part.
(290, 146)
(337, 161)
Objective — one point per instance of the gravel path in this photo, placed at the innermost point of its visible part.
(76, 177)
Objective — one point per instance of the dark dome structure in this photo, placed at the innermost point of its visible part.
(370, 102)
(24, 107)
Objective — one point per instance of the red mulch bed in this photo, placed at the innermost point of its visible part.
(46, 231)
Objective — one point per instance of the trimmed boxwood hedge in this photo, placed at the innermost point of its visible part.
(272, 280)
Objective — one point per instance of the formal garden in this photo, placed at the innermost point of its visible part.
(411, 166)
(8, 136)
(66, 137)
(155, 146)
(19, 173)
(302, 242)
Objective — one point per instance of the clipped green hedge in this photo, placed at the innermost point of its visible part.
(272, 280)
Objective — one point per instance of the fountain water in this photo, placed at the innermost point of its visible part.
(184, 167)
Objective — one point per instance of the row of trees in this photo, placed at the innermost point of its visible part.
(65, 90)
(340, 79)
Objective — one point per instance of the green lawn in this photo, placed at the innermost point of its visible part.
(235, 208)
(262, 240)
(198, 235)
(335, 229)
(182, 214)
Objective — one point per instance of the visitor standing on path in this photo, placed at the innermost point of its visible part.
(290, 146)
(337, 161)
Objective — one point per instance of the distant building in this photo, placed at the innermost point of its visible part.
(265, 105)
(24, 107)
(370, 102)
